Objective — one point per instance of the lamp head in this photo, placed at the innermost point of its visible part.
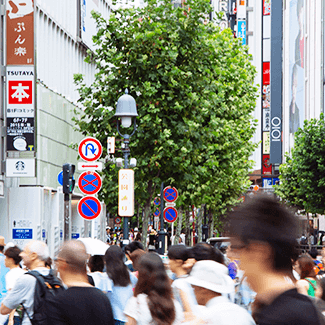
(126, 108)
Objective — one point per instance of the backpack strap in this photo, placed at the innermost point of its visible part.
(310, 283)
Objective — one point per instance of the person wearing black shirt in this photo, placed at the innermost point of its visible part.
(263, 236)
(81, 303)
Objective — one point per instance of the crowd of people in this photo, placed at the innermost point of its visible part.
(257, 278)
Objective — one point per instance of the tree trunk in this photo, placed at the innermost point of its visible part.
(199, 223)
(179, 226)
(188, 228)
(138, 215)
(210, 224)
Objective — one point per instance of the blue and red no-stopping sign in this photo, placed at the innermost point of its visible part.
(89, 207)
(170, 214)
(89, 182)
(170, 194)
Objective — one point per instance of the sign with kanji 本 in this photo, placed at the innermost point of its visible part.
(126, 192)
(20, 32)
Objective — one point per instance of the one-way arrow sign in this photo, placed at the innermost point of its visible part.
(90, 166)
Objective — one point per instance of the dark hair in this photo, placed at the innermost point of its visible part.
(138, 237)
(154, 282)
(321, 283)
(48, 262)
(13, 252)
(264, 219)
(115, 267)
(313, 252)
(96, 263)
(1, 248)
(307, 266)
(204, 251)
(135, 256)
(178, 252)
(132, 247)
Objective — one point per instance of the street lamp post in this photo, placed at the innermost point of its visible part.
(205, 228)
(126, 109)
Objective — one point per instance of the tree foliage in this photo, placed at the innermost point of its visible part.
(302, 177)
(194, 89)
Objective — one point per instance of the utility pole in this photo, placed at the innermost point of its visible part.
(161, 233)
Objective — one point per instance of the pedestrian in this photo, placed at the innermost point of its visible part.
(123, 282)
(182, 290)
(211, 282)
(81, 303)
(263, 234)
(153, 301)
(134, 256)
(34, 255)
(3, 271)
(12, 261)
(101, 280)
(305, 267)
(129, 249)
(152, 240)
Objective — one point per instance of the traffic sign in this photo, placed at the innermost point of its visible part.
(170, 194)
(156, 201)
(60, 177)
(89, 207)
(96, 165)
(90, 149)
(118, 220)
(170, 214)
(89, 183)
(157, 213)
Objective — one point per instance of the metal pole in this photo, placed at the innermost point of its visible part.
(66, 216)
(205, 228)
(161, 248)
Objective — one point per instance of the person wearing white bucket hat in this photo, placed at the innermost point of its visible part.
(210, 280)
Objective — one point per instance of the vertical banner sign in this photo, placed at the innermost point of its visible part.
(276, 82)
(126, 192)
(20, 77)
(20, 108)
(242, 31)
(20, 32)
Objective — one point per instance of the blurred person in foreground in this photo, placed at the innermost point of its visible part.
(263, 234)
(153, 301)
(305, 267)
(81, 303)
(211, 282)
(122, 281)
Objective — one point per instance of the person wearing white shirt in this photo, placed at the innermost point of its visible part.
(210, 280)
(12, 261)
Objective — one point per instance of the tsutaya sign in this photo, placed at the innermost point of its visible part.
(126, 192)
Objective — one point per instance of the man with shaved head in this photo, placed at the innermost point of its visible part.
(81, 303)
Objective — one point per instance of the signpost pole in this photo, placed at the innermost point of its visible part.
(161, 248)
(66, 216)
(205, 228)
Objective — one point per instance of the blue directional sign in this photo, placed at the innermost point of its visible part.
(22, 234)
(156, 201)
(157, 213)
(242, 31)
(170, 214)
(89, 207)
(75, 235)
(60, 177)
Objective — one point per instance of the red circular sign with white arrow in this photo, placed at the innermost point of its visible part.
(90, 149)
(89, 183)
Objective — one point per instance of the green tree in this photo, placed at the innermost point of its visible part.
(194, 91)
(302, 177)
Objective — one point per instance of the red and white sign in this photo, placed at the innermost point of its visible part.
(266, 167)
(118, 220)
(20, 91)
(89, 207)
(126, 193)
(90, 149)
(96, 165)
(266, 73)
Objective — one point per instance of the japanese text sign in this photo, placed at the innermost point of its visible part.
(126, 192)
(20, 32)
